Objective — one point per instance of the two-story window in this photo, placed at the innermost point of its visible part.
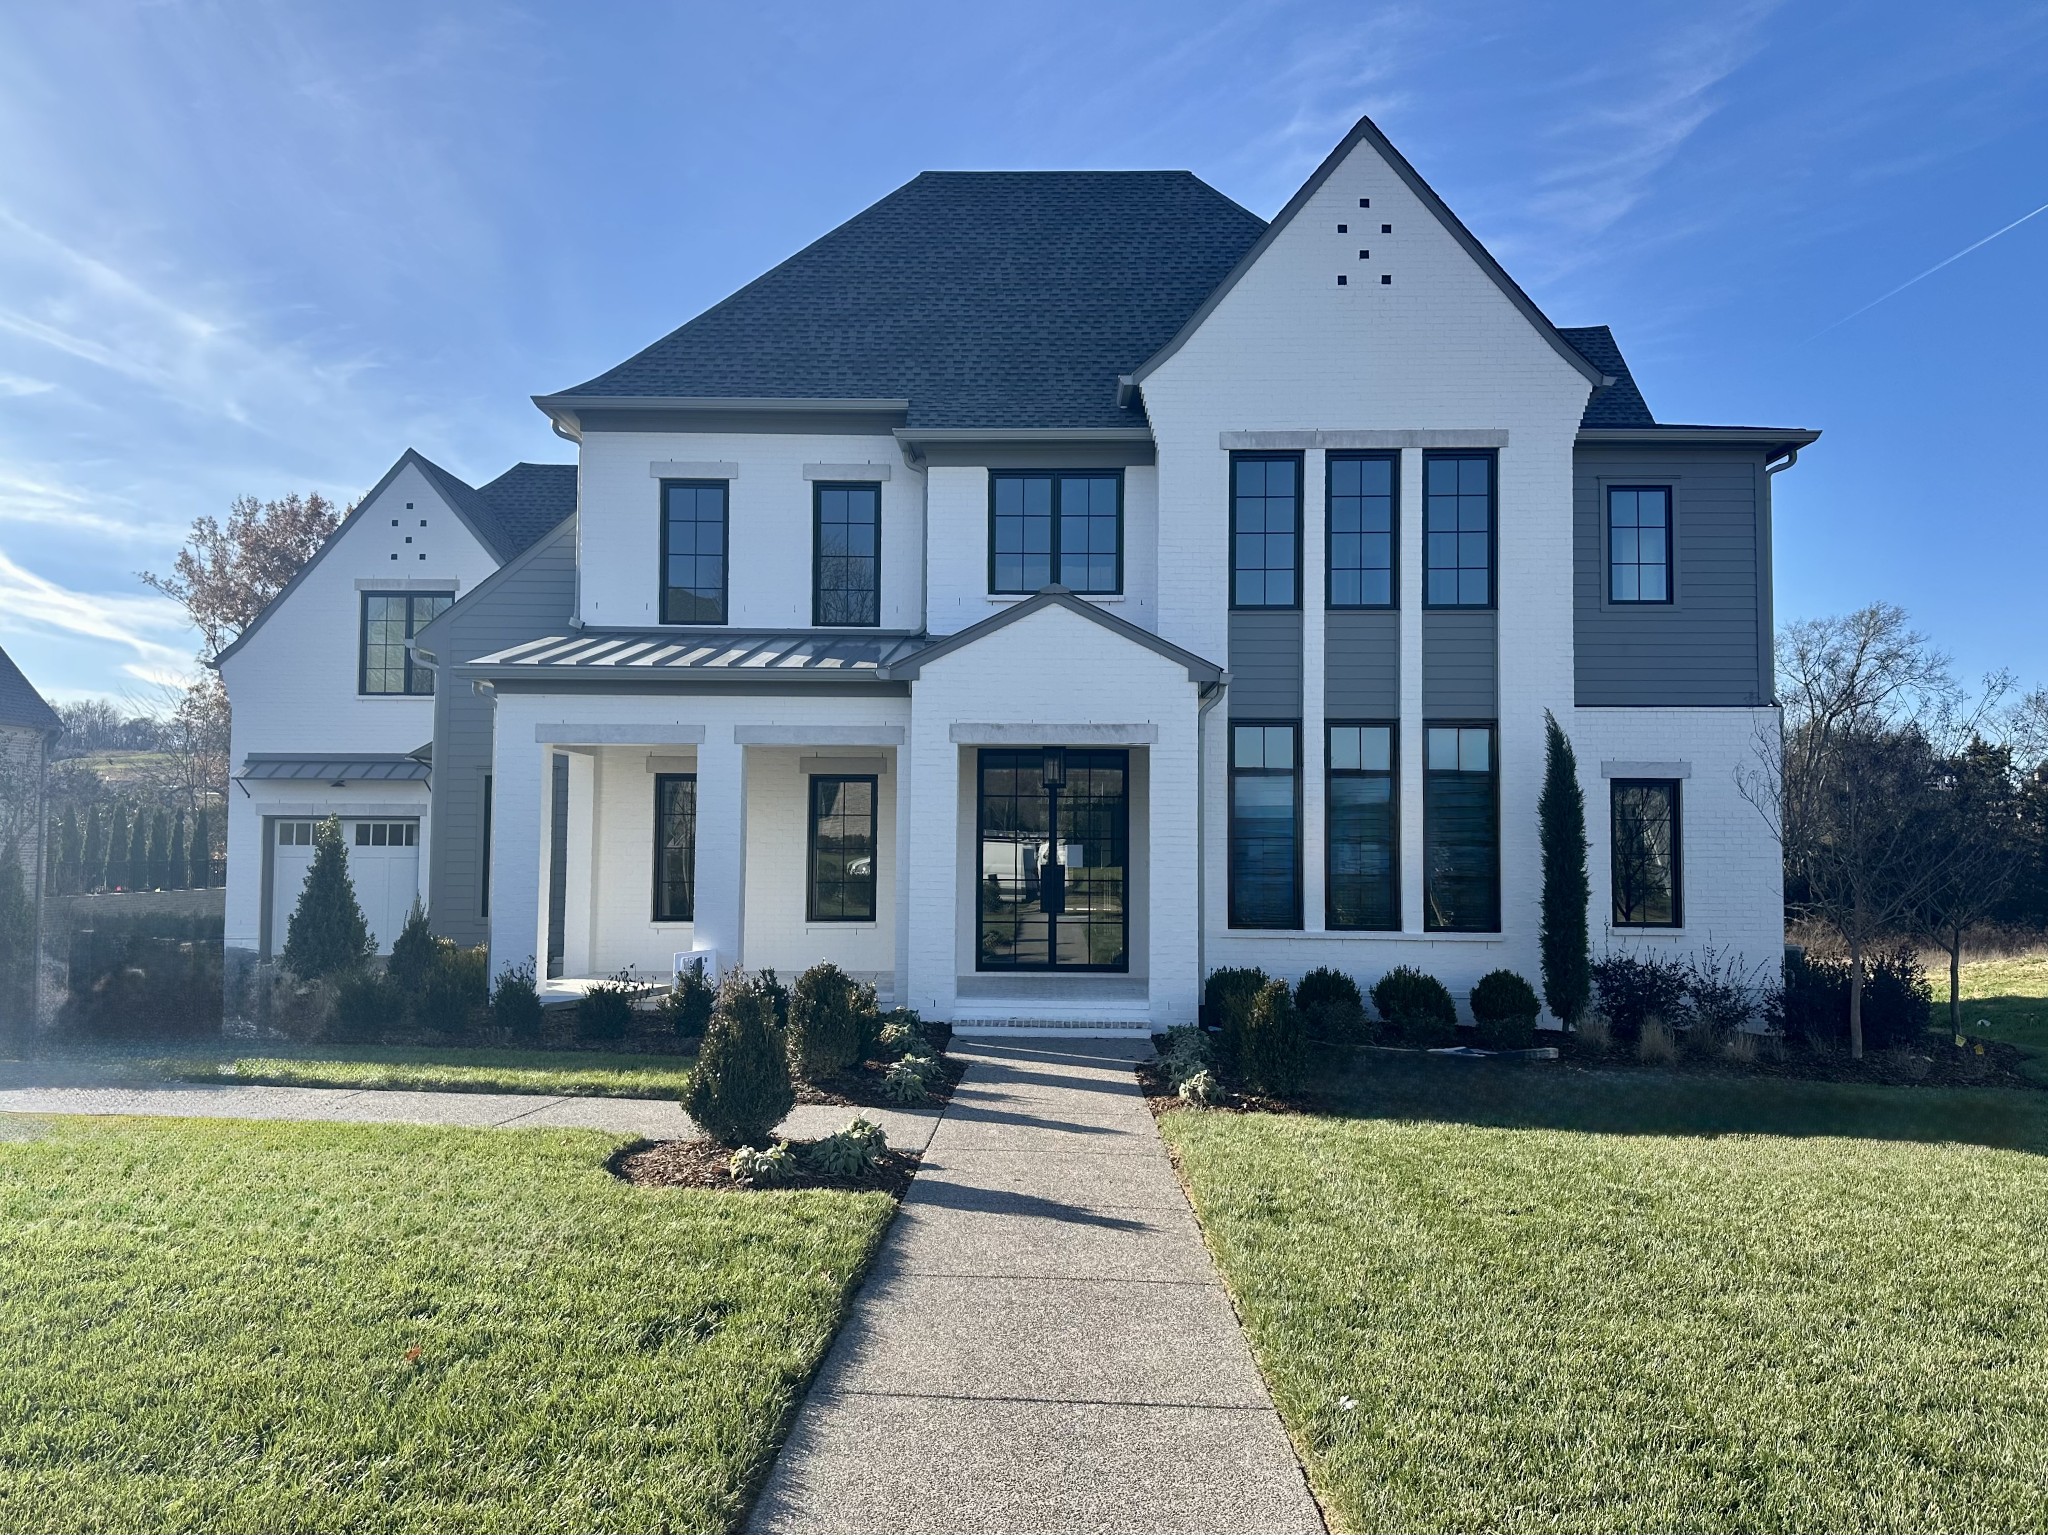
(1265, 825)
(1265, 530)
(1457, 527)
(1362, 889)
(694, 516)
(846, 571)
(384, 663)
(1060, 526)
(1643, 843)
(1460, 829)
(675, 847)
(1363, 490)
(1639, 543)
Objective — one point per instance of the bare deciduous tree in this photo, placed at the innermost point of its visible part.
(226, 574)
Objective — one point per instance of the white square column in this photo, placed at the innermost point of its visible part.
(1410, 586)
(721, 868)
(519, 855)
(932, 871)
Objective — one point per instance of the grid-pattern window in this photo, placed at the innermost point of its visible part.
(1056, 527)
(847, 580)
(387, 834)
(1461, 830)
(1265, 530)
(842, 883)
(1457, 545)
(390, 619)
(675, 847)
(1644, 845)
(1265, 826)
(693, 551)
(1362, 496)
(1639, 543)
(1362, 889)
(294, 833)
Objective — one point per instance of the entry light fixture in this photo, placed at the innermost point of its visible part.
(1055, 767)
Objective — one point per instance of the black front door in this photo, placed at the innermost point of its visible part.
(1055, 848)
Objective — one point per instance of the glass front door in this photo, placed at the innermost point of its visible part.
(1055, 845)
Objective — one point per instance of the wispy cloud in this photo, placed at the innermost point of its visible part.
(14, 386)
(144, 626)
(1948, 262)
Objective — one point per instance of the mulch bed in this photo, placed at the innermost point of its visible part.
(861, 1088)
(707, 1165)
(1160, 1098)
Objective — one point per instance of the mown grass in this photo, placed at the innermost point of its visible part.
(1533, 1298)
(2004, 999)
(445, 1069)
(230, 1326)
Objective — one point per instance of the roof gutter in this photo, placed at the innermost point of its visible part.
(565, 410)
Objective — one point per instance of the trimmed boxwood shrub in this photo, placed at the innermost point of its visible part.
(1416, 1006)
(1331, 1008)
(455, 990)
(827, 1024)
(605, 1015)
(1227, 998)
(1273, 1049)
(515, 1005)
(740, 1087)
(1505, 1007)
(686, 1006)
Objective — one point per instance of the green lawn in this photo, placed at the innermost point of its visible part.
(444, 1069)
(1540, 1298)
(2003, 999)
(231, 1326)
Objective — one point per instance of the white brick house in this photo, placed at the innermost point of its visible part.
(1049, 587)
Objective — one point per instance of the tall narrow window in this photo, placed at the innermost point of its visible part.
(1461, 830)
(1639, 543)
(385, 660)
(842, 882)
(1645, 852)
(1265, 530)
(558, 865)
(1362, 889)
(693, 551)
(1058, 527)
(1457, 552)
(675, 847)
(1265, 826)
(1362, 496)
(847, 577)
(483, 903)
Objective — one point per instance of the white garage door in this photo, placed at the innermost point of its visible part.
(383, 861)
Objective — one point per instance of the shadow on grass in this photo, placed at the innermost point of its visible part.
(1562, 1096)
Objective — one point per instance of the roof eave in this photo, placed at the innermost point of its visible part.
(566, 410)
(1771, 438)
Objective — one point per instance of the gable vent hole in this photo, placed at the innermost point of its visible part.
(1365, 202)
(1365, 255)
(1386, 229)
(1386, 279)
(1340, 279)
(394, 522)
(1343, 229)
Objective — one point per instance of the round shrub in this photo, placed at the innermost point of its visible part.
(827, 1023)
(1274, 1047)
(1227, 1004)
(1416, 1006)
(454, 990)
(605, 1015)
(740, 1088)
(365, 1005)
(1506, 1008)
(1332, 1010)
(515, 1005)
(686, 1006)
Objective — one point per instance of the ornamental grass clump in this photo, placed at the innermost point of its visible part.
(829, 1022)
(1332, 1010)
(1416, 1007)
(1505, 1007)
(1273, 1050)
(740, 1089)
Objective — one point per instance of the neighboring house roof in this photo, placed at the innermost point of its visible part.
(507, 516)
(914, 660)
(741, 656)
(336, 768)
(984, 298)
(21, 704)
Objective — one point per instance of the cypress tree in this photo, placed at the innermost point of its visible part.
(1561, 828)
(71, 854)
(177, 865)
(328, 931)
(94, 873)
(117, 850)
(202, 851)
(138, 852)
(160, 850)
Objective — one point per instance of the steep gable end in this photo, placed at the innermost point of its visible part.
(20, 703)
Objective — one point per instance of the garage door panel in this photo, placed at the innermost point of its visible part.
(383, 864)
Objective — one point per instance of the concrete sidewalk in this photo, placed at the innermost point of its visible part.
(1043, 1344)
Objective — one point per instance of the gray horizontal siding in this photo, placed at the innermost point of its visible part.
(534, 598)
(1460, 664)
(1362, 665)
(1711, 645)
(1265, 666)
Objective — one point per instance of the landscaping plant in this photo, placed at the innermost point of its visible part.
(1227, 1004)
(412, 952)
(827, 1022)
(515, 1004)
(605, 1015)
(1635, 989)
(849, 1153)
(686, 1006)
(1561, 829)
(328, 932)
(454, 993)
(1200, 1089)
(1416, 1006)
(1505, 1008)
(1273, 1049)
(365, 1005)
(741, 1089)
(910, 1079)
(764, 1169)
(1332, 1010)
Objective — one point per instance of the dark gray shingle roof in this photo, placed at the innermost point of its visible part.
(511, 512)
(1620, 403)
(985, 298)
(21, 704)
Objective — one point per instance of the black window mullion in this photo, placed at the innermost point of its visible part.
(846, 554)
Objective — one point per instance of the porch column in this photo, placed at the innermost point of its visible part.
(931, 873)
(519, 843)
(721, 867)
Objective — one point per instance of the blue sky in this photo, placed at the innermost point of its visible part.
(254, 248)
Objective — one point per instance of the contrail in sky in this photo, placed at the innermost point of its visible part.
(1958, 256)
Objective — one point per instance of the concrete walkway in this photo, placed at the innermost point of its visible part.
(1043, 1344)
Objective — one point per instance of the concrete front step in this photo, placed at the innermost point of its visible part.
(1047, 1028)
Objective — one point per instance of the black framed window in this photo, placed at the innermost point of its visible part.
(846, 573)
(1639, 543)
(1265, 530)
(384, 660)
(1056, 527)
(1265, 825)
(693, 551)
(1363, 490)
(675, 847)
(1644, 847)
(1461, 829)
(842, 873)
(1362, 889)
(1457, 542)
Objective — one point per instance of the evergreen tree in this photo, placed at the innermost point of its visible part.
(138, 851)
(71, 854)
(160, 850)
(328, 931)
(17, 941)
(177, 866)
(94, 874)
(202, 851)
(117, 850)
(1561, 828)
